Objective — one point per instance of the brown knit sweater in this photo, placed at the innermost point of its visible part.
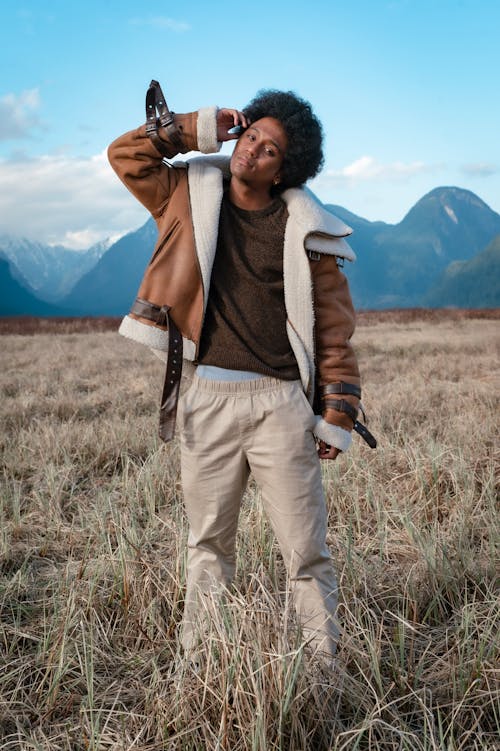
(245, 320)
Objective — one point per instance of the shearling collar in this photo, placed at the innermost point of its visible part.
(320, 229)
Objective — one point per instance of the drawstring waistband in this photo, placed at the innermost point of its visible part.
(264, 383)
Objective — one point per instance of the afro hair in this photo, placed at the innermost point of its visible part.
(304, 154)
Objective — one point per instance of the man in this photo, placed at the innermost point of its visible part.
(245, 280)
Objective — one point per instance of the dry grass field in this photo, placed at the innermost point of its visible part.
(92, 560)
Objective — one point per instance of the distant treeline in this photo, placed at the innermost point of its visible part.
(26, 325)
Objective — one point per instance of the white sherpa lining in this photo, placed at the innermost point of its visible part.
(311, 214)
(205, 193)
(306, 367)
(154, 338)
(307, 219)
(151, 336)
(333, 435)
(206, 130)
(299, 300)
(334, 246)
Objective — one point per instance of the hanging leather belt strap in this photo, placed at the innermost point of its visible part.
(156, 105)
(342, 406)
(365, 434)
(170, 395)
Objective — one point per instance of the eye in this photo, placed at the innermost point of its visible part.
(270, 152)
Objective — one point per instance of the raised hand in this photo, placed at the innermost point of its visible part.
(227, 119)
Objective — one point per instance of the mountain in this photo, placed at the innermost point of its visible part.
(470, 284)
(16, 300)
(111, 286)
(418, 262)
(50, 270)
(398, 264)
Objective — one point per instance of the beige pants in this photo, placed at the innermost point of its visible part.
(262, 426)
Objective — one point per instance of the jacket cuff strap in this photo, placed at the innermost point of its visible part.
(340, 387)
(156, 102)
(341, 406)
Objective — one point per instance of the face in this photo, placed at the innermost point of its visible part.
(258, 154)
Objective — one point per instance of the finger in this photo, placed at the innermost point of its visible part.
(228, 115)
(330, 455)
(327, 452)
(243, 120)
(237, 117)
(322, 449)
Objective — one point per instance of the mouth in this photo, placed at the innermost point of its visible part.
(244, 161)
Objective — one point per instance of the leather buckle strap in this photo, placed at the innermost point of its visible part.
(171, 385)
(155, 101)
(155, 313)
(340, 388)
(342, 406)
(173, 371)
(151, 110)
(151, 123)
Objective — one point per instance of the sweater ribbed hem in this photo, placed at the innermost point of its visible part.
(234, 359)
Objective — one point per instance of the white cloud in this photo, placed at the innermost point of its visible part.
(480, 169)
(367, 168)
(60, 199)
(18, 114)
(162, 22)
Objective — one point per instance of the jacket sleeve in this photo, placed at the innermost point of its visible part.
(140, 166)
(335, 357)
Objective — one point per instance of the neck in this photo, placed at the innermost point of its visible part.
(246, 197)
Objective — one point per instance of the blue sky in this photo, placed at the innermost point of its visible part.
(407, 91)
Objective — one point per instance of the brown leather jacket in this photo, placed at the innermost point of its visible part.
(184, 199)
